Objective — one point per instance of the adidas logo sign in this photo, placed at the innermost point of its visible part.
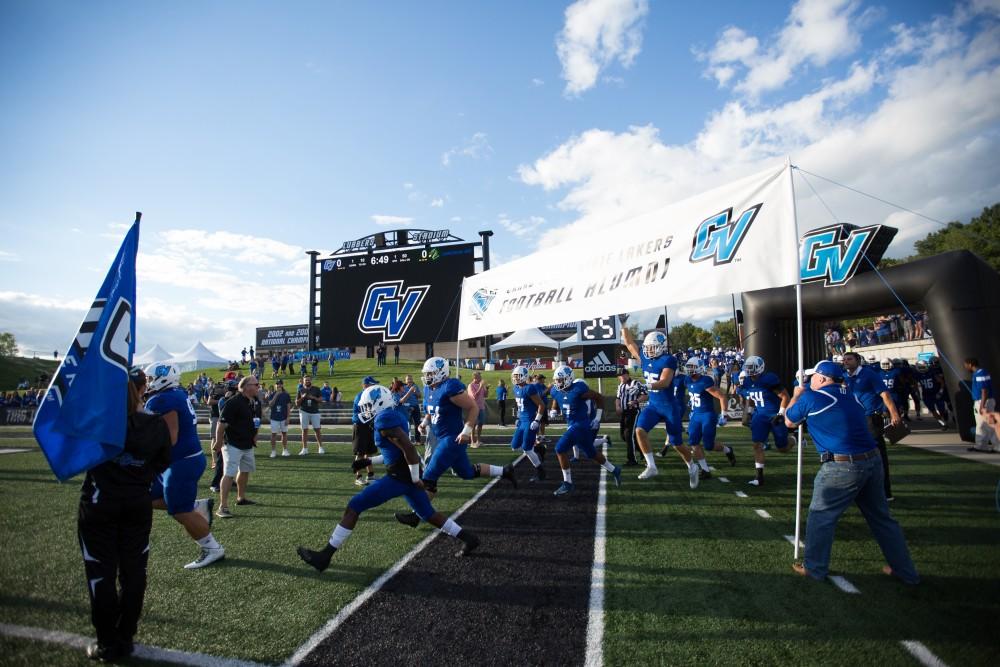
(600, 364)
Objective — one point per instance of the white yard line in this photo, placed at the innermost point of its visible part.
(724, 480)
(5, 450)
(791, 540)
(922, 654)
(740, 494)
(595, 620)
(843, 584)
(763, 514)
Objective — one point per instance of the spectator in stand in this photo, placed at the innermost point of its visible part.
(852, 338)
(251, 351)
(337, 397)
(907, 323)
(478, 390)
(331, 360)
(327, 392)
(502, 402)
(291, 364)
(395, 354)
(279, 404)
(307, 401)
(253, 367)
(283, 366)
(983, 405)
(918, 325)
(243, 355)
(314, 363)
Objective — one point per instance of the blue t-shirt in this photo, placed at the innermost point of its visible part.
(981, 380)
(836, 420)
(176, 400)
(279, 409)
(571, 402)
(763, 391)
(526, 408)
(892, 380)
(446, 417)
(413, 400)
(501, 393)
(388, 420)
(355, 419)
(651, 370)
(867, 385)
(701, 401)
(326, 393)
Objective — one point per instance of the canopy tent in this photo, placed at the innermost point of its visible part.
(151, 356)
(197, 358)
(526, 339)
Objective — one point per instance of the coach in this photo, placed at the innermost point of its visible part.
(627, 403)
(850, 472)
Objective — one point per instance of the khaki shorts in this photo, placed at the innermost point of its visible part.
(279, 426)
(236, 460)
(309, 419)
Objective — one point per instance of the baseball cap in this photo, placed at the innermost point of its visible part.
(137, 376)
(828, 369)
(369, 380)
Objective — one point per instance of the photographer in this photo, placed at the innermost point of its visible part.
(115, 518)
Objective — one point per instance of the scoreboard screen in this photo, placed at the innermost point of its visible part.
(599, 330)
(403, 296)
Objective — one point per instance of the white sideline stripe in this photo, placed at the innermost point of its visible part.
(5, 450)
(740, 494)
(843, 584)
(595, 617)
(331, 626)
(724, 480)
(922, 654)
(141, 651)
(763, 514)
(791, 540)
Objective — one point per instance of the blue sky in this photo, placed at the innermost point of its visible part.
(250, 132)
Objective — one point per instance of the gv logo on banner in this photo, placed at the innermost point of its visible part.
(719, 237)
(834, 254)
(389, 310)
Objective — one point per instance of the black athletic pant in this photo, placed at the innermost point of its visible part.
(114, 540)
(876, 426)
(502, 407)
(415, 419)
(219, 469)
(626, 428)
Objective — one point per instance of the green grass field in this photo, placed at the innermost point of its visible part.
(692, 576)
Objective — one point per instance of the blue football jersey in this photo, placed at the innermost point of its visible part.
(651, 370)
(867, 385)
(571, 402)
(928, 381)
(701, 401)
(386, 421)
(526, 408)
(763, 391)
(678, 387)
(446, 417)
(892, 380)
(176, 400)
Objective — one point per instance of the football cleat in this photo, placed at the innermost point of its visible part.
(564, 489)
(705, 474)
(206, 558)
(407, 518)
(731, 455)
(469, 543)
(649, 472)
(508, 474)
(541, 450)
(693, 476)
(617, 474)
(318, 559)
(539, 474)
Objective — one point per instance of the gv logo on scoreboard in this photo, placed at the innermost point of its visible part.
(832, 255)
(389, 310)
(718, 238)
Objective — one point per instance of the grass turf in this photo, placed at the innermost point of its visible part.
(692, 576)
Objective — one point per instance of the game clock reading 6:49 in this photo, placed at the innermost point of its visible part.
(599, 329)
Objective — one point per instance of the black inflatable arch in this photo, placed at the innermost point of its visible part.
(959, 291)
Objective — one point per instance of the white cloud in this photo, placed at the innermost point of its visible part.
(407, 186)
(521, 228)
(455, 218)
(437, 202)
(704, 313)
(391, 220)
(9, 256)
(476, 147)
(597, 33)
(537, 83)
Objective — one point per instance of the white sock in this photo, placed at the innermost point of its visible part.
(533, 457)
(703, 464)
(576, 452)
(377, 459)
(759, 466)
(692, 466)
(496, 471)
(650, 460)
(567, 475)
(451, 528)
(726, 450)
(208, 542)
(608, 465)
(340, 535)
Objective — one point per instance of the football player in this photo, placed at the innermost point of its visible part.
(175, 489)
(893, 381)
(572, 397)
(675, 425)
(702, 421)
(770, 398)
(931, 385)
(402, 478)
(447, 399)
(658, 369)
(530, 408)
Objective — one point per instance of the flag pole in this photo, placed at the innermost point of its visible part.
(798, 324)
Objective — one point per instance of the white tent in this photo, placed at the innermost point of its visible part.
(526, 338)
(151, 356)
(196, 358)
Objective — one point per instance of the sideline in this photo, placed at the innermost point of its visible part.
(595, 622)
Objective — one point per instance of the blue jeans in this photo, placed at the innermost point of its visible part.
(836, 486)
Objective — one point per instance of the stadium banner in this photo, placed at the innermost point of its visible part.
(734, 238)
(402, 296)
(81, 421)
(599, 362)
(16, 416)
(292, 336)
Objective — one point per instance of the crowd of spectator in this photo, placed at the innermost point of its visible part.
(883, 329)
(26, 398)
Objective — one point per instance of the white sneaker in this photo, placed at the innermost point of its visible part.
(649, 472)
(303, 452)
(203, 506)
(207, 557)
(274, 454)
(285, 452)
(321, 451)
(359, 482)
(693, 476)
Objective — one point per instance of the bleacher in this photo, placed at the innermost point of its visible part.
(328, 414)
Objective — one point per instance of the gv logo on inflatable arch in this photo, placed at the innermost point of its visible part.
(718, 238)
(834, 254)
(389, 309)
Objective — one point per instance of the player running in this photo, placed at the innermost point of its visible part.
(893, 381)
(931, 385)
(770, 399)
(175, 489)
(402, 478)
(658, 369)
(447, 399)
(572, 397)
(675, 427)
(702, 421)
(530, 408)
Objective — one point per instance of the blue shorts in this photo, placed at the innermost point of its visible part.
(761, 427)
(178, 484)
(701, 426)
(580, 436)
(675, 427)
(524, 437)
(651, 415)
(385, 489)
(932, 401)
(449, 454)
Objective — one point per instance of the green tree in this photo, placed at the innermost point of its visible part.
(688, 335)
(725, 332)
(8, 345)
(981, 235)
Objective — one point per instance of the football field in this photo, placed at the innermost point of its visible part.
(689, 576)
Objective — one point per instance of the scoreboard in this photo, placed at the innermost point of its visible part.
(401, 296)
(598, 330)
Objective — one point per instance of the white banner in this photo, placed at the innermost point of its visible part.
(735, 238)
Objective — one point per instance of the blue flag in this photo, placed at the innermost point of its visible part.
(81, 421)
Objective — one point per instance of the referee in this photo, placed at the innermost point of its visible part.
(627, 404)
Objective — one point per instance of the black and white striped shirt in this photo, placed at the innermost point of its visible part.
(629, 393)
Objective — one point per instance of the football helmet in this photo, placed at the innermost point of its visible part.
(897, 362)
(871, 359)
(161, 377)
(838, 359)
(922, 366)
(519, 375)
(695, 366)
(563, 377)
(374, 400)
(886, 364)
(754, 365)
(654, 344)
(435, 371)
